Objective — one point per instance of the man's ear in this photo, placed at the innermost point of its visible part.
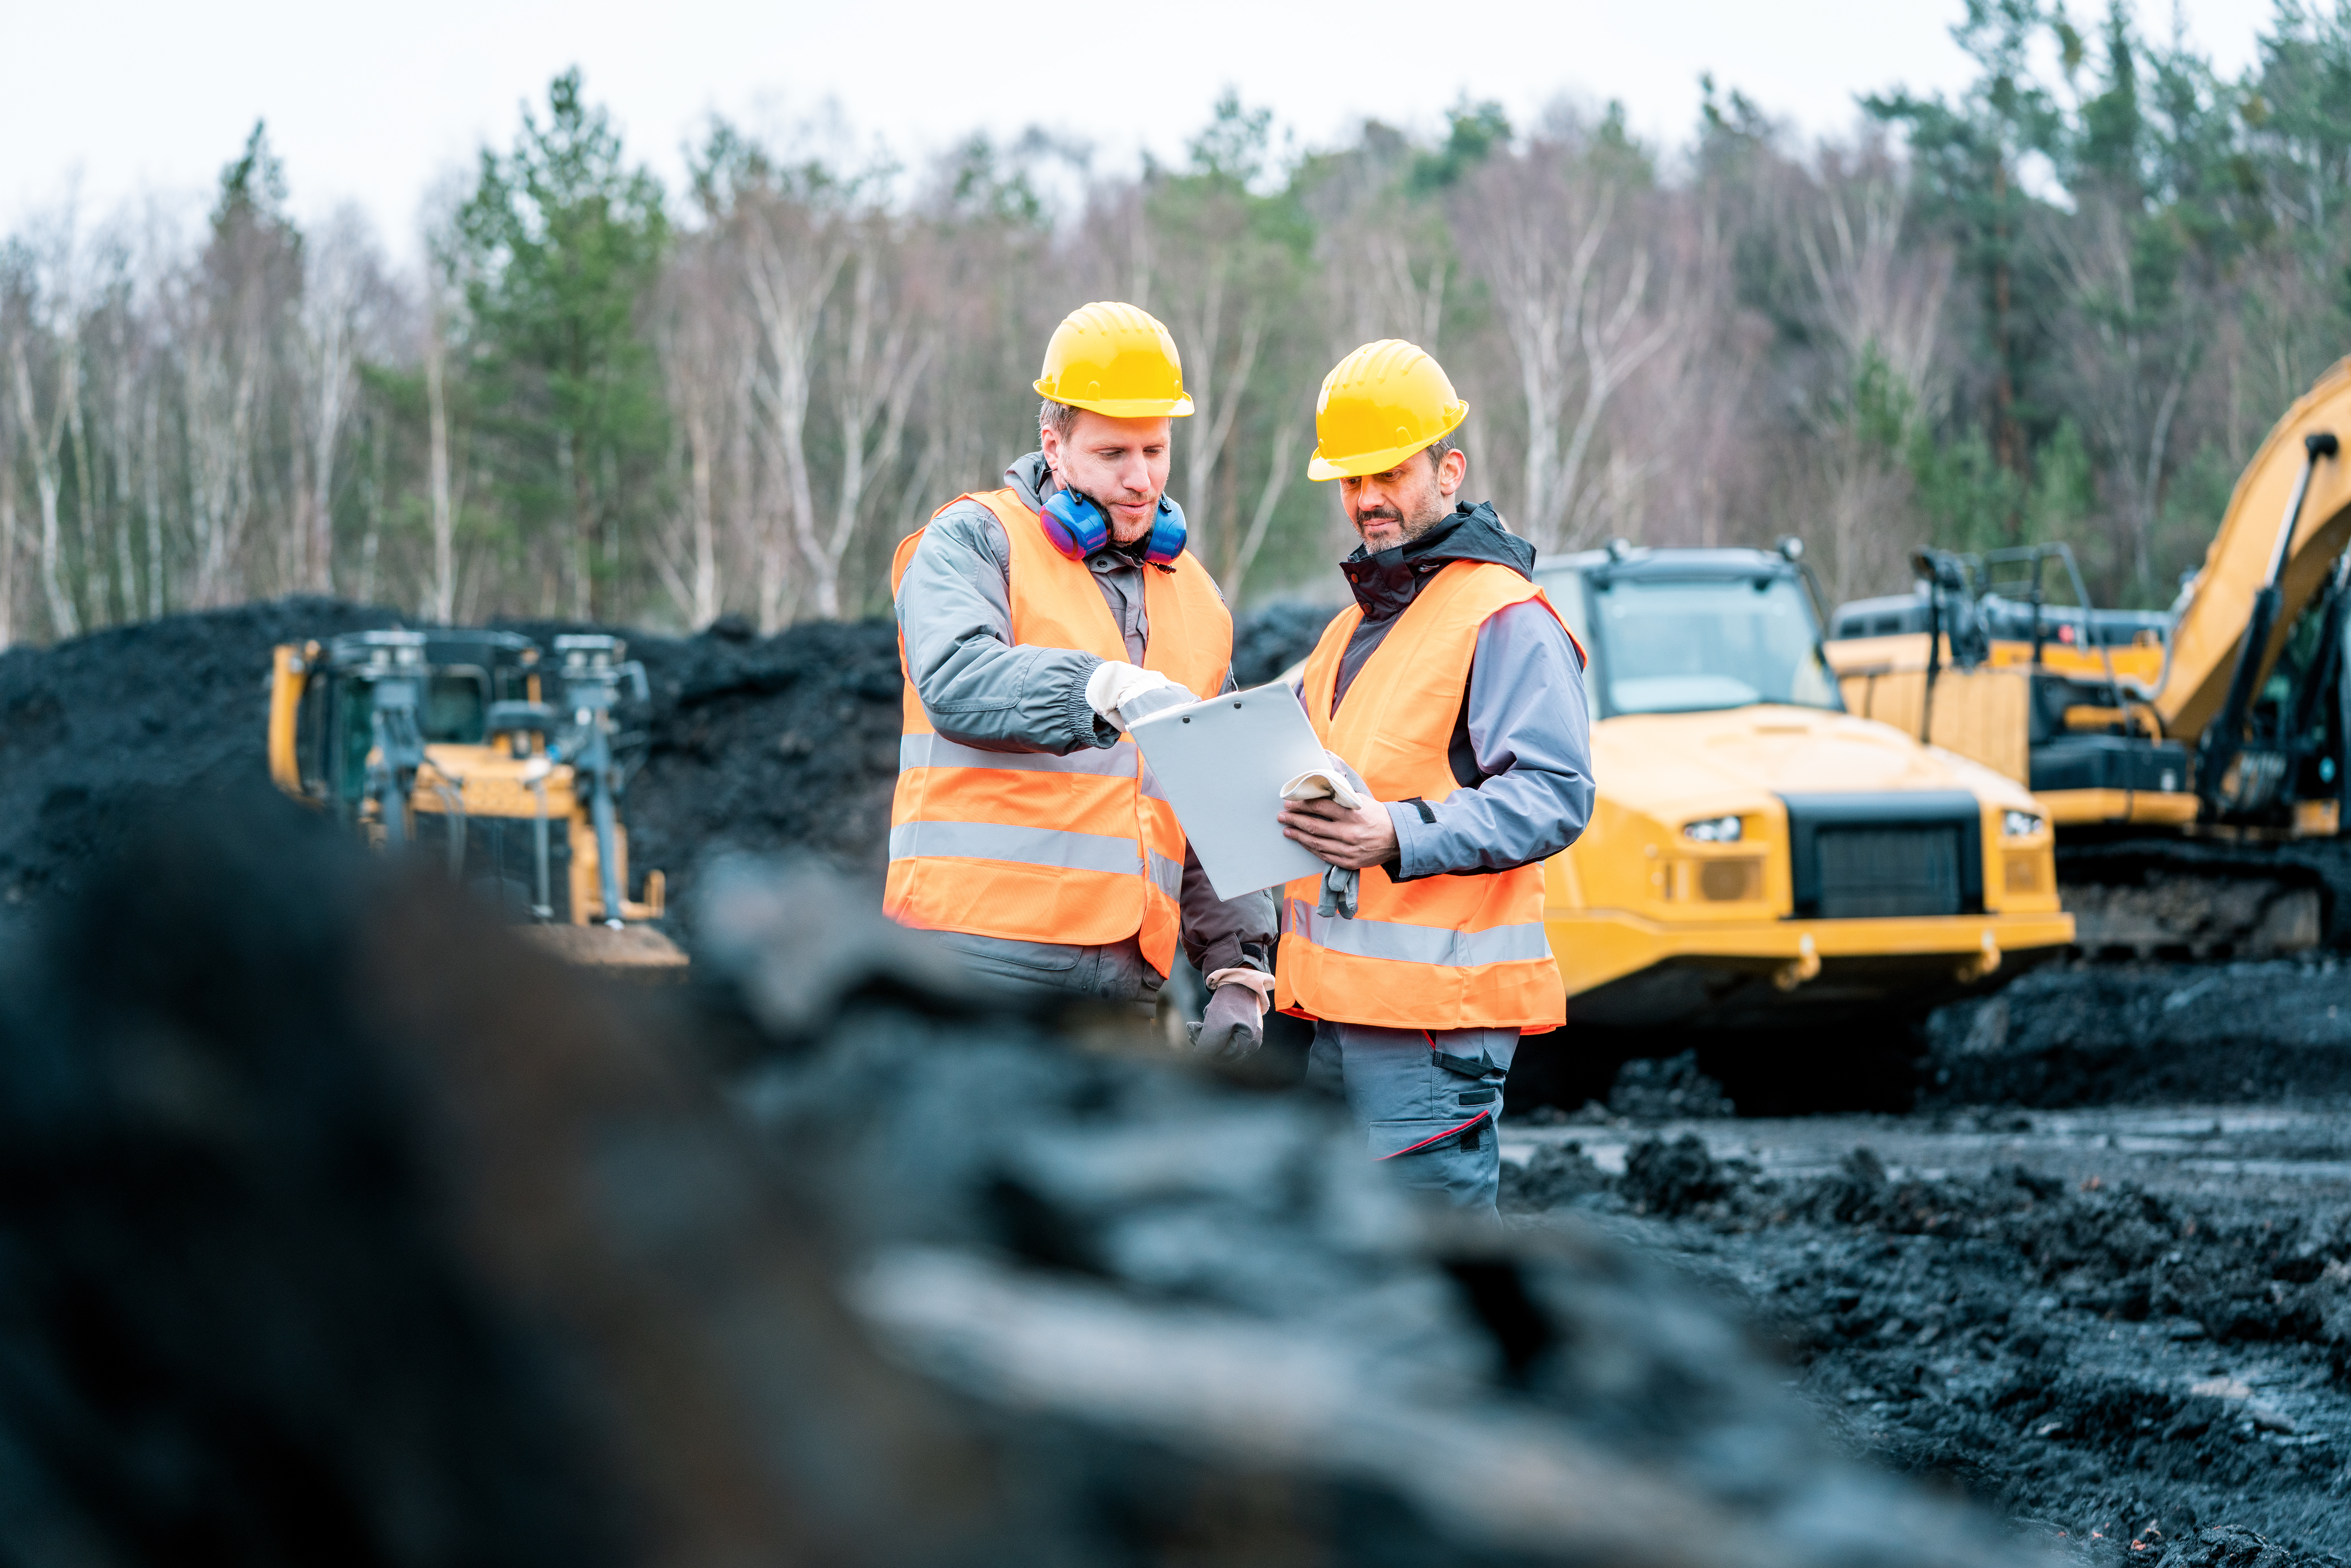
(1451, 469)
(1050, 444)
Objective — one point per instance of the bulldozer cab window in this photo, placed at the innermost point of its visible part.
(1691, 644)
(456, 705)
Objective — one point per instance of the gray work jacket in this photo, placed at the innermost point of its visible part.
(1521, 748)
(983, 690)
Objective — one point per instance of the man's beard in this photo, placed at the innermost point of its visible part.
(1366, 521)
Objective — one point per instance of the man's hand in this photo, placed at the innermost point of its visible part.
(1364, 836)
(1234, 1026)
(1123, 693)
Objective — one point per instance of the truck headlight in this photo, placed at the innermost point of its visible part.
(1714, 830)
(2018, 824)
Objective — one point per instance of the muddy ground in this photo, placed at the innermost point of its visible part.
(2129, 1329)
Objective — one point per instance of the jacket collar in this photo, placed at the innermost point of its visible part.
(1386, 582)
(1031, 479)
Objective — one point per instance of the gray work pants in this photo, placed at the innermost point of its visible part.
(1114, 972)
(1428, 1100)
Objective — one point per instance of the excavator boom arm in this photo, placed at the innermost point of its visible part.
(2253, 548)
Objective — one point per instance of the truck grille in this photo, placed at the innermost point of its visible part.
(1869, 856)
(1867, 871)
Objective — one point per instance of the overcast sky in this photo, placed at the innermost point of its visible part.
(371, 104)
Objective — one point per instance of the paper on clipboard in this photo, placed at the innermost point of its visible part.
(1222, 764)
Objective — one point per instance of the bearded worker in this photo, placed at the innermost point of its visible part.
(1035, 623)
(1455, 693)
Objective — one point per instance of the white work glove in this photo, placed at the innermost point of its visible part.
(1234, 1025)
(1333, 781)
(1123, 692)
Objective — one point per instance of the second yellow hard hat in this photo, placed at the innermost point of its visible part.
(1379, 406)
(1115, 359)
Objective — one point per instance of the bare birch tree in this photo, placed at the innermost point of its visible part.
(882, 353)
(792, 252)
(335, 289)
(45, 437)
(1558, 240)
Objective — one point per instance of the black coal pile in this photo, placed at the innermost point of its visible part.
(2125, 1034)
(765, 744)
(748, 743)
(1671, 1089)
(2158, 1379)
(1269, 641)
(335, 1227)
(98, 730)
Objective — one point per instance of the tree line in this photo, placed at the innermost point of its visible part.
(2065, 302)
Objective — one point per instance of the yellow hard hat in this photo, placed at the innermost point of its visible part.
(1115, 360)
(1379, 406)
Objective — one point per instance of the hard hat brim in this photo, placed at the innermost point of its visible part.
(1320, 467)
(1122, 407)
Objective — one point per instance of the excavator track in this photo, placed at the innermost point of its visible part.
(2153, 895)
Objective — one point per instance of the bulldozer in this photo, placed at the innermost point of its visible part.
(1760, 856)
(2194, 761)
(461, 733)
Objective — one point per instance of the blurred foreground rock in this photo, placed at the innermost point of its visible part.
(335, 1226)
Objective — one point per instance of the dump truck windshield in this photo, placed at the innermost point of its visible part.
(1688, 644)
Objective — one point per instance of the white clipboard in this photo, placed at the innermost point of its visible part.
(1221, 764)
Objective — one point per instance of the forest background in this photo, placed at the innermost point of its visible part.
(2064, 303)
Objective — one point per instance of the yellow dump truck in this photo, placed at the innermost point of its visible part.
(1759, 854)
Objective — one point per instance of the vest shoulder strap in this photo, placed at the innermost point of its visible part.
(1005, 504)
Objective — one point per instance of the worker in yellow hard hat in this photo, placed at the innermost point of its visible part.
(1036, 622)
(1453, 694)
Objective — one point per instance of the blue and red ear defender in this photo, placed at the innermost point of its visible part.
(1075, 525)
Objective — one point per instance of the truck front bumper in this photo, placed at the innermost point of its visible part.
(1623, 969)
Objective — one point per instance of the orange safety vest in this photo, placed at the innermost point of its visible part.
(1440, 952)
(1038, 848)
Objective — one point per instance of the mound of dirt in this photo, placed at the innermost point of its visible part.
(769, 744)
(2094, 1035)
(1270, 640)
(1555, 1174)
(755, 744)
(1667, 1090)
(98, 730)
(2158, 1373)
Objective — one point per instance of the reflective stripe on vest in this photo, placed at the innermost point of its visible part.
(1119, 761)
(1081, 849)
(1418, 944)
(1049, 847)
(1438, 952)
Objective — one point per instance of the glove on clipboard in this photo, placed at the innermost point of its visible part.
(1340, 783)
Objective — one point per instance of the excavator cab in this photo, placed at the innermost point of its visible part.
(2184, 756)
(460, 735)
(1985, 659)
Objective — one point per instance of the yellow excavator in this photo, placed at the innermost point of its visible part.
(2194, 762)
(1758, 855)
(472, 732)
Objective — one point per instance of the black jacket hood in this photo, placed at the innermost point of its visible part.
(1386, 582)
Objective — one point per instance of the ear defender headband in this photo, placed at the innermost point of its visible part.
(1075, 525)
